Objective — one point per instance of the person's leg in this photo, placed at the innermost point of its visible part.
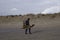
(26, 31)
(30, 31)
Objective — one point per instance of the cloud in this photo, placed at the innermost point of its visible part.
(26, 6)
(14, 9)
(54, 9)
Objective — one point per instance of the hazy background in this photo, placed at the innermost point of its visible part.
(47, 26)
(16, 7)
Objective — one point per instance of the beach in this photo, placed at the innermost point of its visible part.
(44, 29)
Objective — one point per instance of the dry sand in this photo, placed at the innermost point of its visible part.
(45, 29)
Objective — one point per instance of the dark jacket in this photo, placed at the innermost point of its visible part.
(27, 22)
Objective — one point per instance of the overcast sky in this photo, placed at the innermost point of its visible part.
(12, 7)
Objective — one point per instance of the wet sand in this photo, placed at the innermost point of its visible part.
(43, 30)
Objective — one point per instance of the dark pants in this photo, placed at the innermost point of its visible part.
(27, 30)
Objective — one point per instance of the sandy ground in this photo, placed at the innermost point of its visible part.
(43, 30)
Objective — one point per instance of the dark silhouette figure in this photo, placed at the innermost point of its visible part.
(26, 25)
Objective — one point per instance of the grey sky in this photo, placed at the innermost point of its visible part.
(9, 7)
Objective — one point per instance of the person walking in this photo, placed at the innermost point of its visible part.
(27, 26)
